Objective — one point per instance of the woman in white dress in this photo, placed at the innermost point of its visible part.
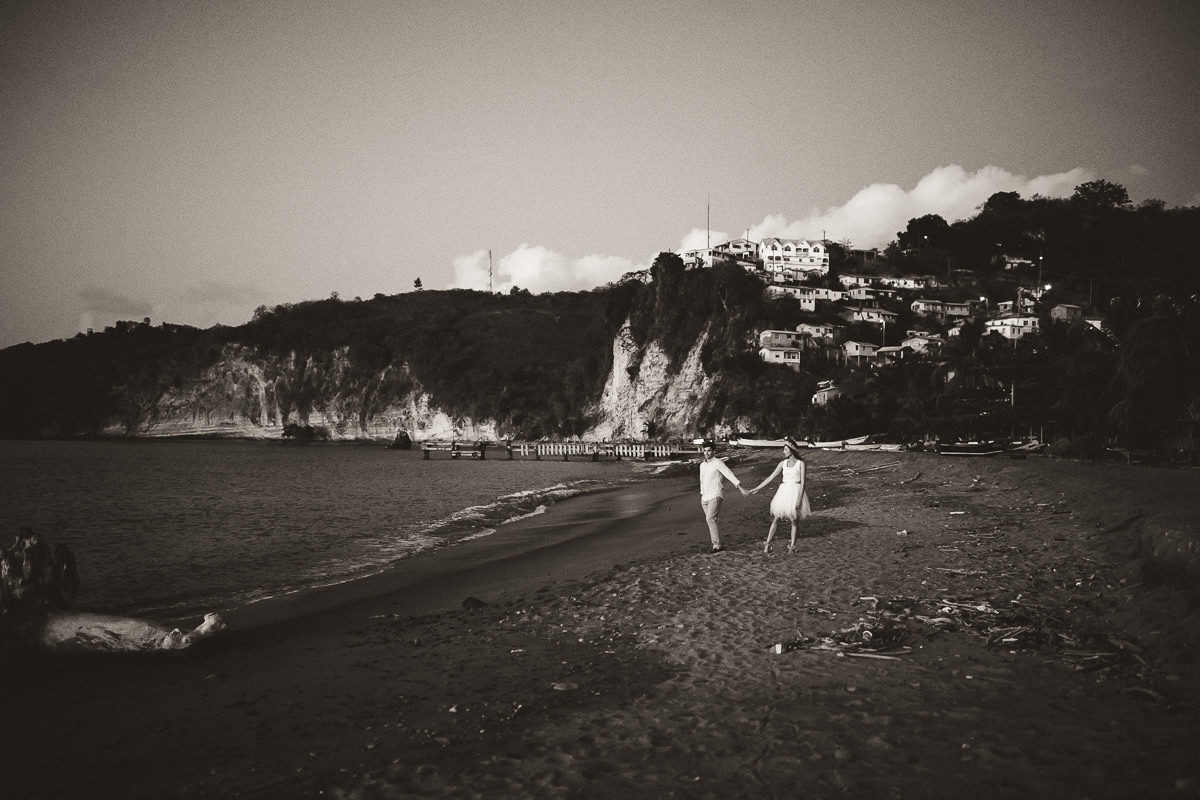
(790, 501)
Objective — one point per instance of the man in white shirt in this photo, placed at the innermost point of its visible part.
(712, 474)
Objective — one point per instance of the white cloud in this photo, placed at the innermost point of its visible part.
(1138, 170)
(105, 302)
(538, 269)
(872, 217)
(700, 239)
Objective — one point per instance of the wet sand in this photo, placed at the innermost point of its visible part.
(1024, 646)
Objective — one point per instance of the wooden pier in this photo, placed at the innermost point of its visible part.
(561, 451)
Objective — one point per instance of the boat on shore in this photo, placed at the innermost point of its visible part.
(859, 442)
(971, 448)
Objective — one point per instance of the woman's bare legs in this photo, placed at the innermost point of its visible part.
(792, 546)
(771, 535)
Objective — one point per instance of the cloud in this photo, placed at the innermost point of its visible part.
(700, 239)
(107, 303)
(538, 269)
(218, 293)
(1138, 170)
(872, 217)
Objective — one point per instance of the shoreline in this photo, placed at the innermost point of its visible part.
(610, 658)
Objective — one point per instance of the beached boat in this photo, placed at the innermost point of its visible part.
(876, 447)
(843, 444)
(764, 443)
(840, 444)
(971, 448)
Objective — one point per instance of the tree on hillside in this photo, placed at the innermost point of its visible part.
(1101, 194)
(930, 230)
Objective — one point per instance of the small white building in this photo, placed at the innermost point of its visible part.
(897, 353)
(1012, 328)
(778, 338)
(788, 356)
(924, 343)
(1066, 312)
(859, 352)
(807, 301)
(849, 280)
(928, 308)
(908, 282)
(817, 330)
(876, 316)
(740, 248)
(826, 391)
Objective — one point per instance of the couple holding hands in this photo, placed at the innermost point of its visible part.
(789, 503)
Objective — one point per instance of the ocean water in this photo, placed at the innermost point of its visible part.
(169, 529)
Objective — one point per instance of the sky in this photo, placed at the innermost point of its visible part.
(192, 161)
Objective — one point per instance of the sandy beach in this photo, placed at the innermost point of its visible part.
(1022, 640)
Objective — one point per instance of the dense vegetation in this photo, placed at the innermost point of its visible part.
(537, 364)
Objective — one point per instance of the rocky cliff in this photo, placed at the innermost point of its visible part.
(246, 394)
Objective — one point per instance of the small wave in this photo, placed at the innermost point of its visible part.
(507, 508)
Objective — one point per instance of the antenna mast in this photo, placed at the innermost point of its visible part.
(489, 271)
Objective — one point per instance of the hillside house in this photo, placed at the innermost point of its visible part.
(1012, 328)
(1021, 306)
(908, 282)
(928, 308)
(822, 293)
(960, 310)
(788, 356)
(807, 302)
(923, 343)
(817, 330)
(778, 338)
(697, 259)
(1065, 312)
(876, 316)
(800, 254)
(782, 347)
(887, 355)
(1016, 261)
(863, 296)
(826, 391)
(742, 249)
(859, 352)
(850, 280)
(943, 310)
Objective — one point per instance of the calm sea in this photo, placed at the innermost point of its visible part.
(168, 529)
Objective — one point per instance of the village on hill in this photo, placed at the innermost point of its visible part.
(901, 315)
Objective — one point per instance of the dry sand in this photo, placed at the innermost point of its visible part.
(1028, 651)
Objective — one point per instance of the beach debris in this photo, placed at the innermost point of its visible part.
(564, 686)
(873, 469)
(473, 603)
(910, 480)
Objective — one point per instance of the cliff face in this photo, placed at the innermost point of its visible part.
(248, 394)
(653, 400)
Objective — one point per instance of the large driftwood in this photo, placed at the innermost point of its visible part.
(73, 631)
